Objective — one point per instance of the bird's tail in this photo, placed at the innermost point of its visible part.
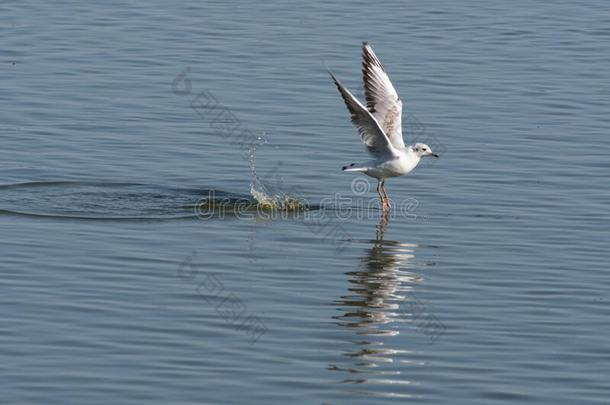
(354, 168)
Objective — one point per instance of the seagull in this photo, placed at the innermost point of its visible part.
(379, 125)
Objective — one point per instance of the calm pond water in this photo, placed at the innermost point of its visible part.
(137, 137)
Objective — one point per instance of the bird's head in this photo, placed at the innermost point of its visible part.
(421, 150)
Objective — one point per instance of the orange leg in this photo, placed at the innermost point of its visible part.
(385, 194)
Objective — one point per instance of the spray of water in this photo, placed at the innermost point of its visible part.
(265, 198)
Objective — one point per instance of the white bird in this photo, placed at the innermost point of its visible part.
(380, 126)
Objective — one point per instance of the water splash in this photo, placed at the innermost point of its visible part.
(266, 197)
(257, 188)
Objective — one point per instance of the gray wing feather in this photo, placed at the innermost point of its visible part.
(373, 137)
(381, 98)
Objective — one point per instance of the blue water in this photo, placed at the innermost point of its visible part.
(121, 121)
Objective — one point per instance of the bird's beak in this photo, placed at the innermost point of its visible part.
(435, 155)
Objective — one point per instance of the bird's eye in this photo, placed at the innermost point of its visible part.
(424, 149)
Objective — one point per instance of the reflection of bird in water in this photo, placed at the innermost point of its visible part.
(377, 282)
(371, 308)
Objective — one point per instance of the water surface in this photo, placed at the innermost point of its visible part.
(490, 286)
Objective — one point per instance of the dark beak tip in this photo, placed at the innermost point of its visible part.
(435, 155)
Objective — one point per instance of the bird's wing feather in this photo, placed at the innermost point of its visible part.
(373, 137)
(381, 98)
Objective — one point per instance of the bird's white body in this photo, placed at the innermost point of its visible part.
(380, 126)
(383, 168)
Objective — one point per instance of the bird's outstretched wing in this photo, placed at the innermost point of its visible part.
(373, 137)
(381, 97)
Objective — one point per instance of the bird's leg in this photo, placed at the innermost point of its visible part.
(381, 199)
(385, 194)
(382, 195)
